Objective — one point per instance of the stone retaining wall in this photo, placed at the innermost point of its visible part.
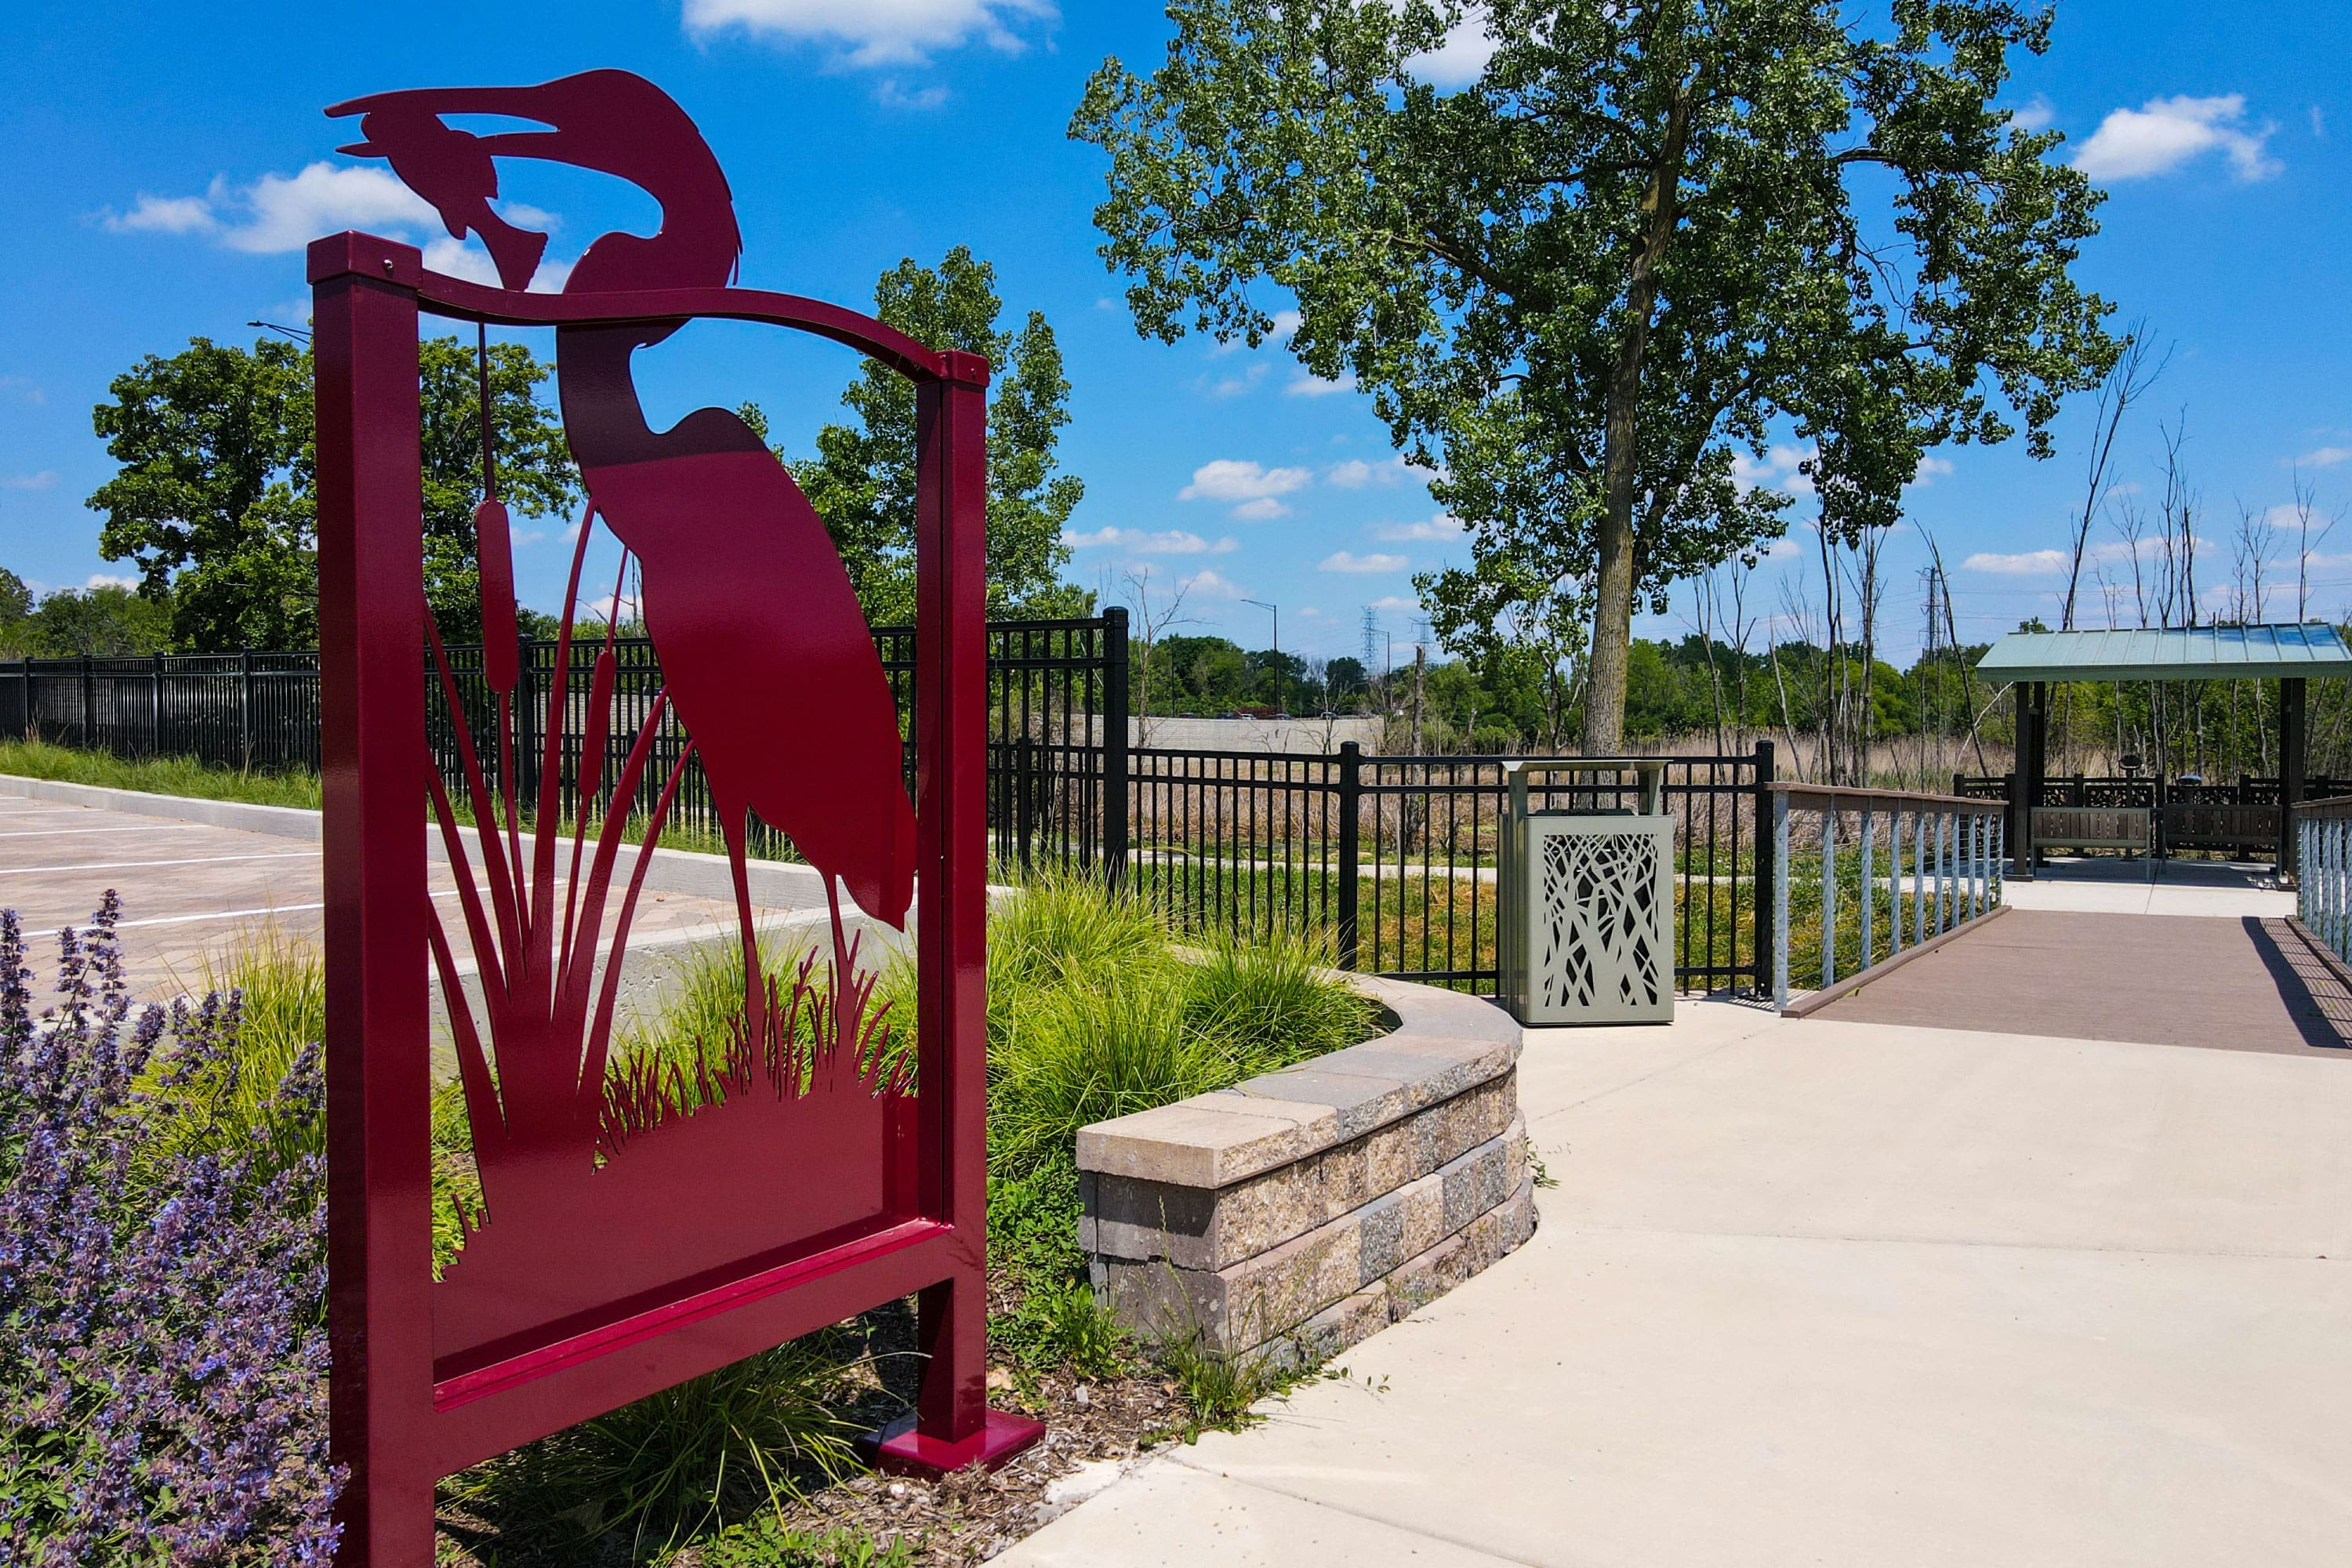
(1300, 1212)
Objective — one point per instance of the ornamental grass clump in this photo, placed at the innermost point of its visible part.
(162, 1339)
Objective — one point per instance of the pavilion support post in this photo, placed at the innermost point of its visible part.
(2294, 749)
(2032, 758)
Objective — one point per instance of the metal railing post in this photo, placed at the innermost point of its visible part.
(155, 706)
(1920, 878)
(1829, 896)
(1895, 881)
(1862, 884)
(1765, 871)
(89, 705)
(1352, 787)
(1114, 830)
(1779, 901)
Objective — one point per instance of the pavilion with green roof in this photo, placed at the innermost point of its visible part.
(2032, 661)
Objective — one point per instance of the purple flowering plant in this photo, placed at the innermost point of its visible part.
(162, 1279)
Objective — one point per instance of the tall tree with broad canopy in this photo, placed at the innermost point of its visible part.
(213, 496)
(1650, 235)
(862, 481)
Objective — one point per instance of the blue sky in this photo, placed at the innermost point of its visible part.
(164, 164)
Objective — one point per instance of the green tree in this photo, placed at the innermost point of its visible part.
(1650, 234)
(103, 621)
(213, 496)
(862, 481)
(16, 599)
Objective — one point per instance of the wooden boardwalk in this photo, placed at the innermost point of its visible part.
(2228, 984)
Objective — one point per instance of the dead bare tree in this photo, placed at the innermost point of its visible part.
(1148, 624)
(2136, 368)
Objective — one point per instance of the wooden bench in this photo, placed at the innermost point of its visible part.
(2130, 828)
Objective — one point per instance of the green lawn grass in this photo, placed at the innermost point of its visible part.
(157, 775)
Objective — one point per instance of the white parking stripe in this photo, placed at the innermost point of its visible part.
(215, 915)
(68, 832)
(128, 864)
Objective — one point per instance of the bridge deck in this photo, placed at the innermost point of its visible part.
(2230, 983)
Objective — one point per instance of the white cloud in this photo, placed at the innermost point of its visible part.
(39, 481)
(163, 214)
(1776, 469)
(1394, 602)
(2026, 563)
(891, 95)
(519, 536)
(2033, 115)
(2165, 132)
(874, 32)
(1253, 485)
(1305, 385)
(1233, 385)
(1171, 542)
(2324, 458)
(1210, 585)
(1443, 528)
(1355, 473)
(109, 580)
(281, 213)
(1285, 323)
(1344, 560)
(2318, 123)
(1461, 59)
(23, 386)
(1931, 469)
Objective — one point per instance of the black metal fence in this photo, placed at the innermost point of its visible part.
(1389, 859)
(1056, 690)
(1393, 859)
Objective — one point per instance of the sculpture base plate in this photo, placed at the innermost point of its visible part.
(900, 1449)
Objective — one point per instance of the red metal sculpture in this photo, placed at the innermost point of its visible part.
(627, 1241)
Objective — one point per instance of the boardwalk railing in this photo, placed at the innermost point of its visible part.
(2323, 889)
(1841, 910)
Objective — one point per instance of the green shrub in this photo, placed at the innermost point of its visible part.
(157, 775)
(711, 1451)
(231, 1106)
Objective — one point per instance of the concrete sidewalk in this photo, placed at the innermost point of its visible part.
(1817, 1292)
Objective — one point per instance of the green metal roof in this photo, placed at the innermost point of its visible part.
(2171, 653)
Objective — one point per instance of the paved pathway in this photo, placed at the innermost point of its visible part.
(2238, 984)
(190, 891)
(1844, 1293)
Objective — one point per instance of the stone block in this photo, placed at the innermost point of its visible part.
(1421, 1281)
(1209, 1140)
(1346, 1323)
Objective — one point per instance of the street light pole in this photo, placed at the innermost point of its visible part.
(1262, 604)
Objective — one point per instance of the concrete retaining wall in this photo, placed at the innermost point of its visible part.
(1302, 1211)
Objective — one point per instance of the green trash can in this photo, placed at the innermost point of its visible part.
(1585, 916)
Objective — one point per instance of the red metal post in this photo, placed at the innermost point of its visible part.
(371, 734)
(954, 1427)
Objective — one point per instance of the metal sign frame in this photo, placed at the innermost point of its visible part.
(430, 1375)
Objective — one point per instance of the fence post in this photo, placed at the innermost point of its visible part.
(1780, 901)
(245, 707)
(1352, 795)
(1114, 745)
(155, 706)
(1767, 908)
(528, 740)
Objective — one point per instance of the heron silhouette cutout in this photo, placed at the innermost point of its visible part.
(765, 650)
